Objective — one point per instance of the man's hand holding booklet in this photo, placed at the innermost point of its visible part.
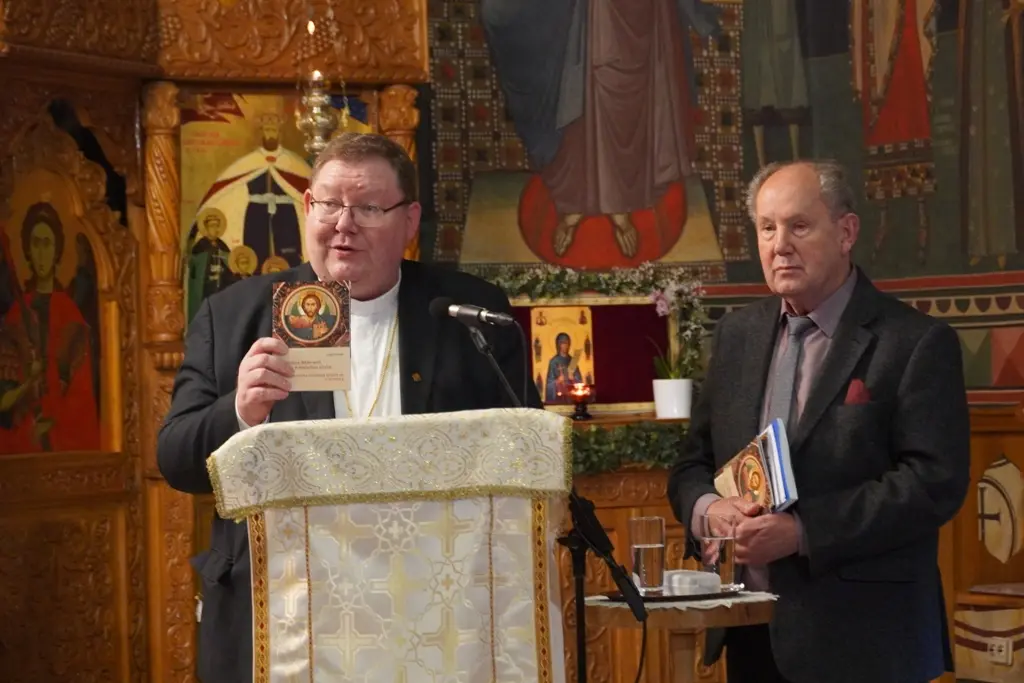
(761, 473)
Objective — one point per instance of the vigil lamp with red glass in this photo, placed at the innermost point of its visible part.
(581, 394)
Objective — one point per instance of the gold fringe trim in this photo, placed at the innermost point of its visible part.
(309, 597)
(260, 599)
(490, 579)
(540, 591)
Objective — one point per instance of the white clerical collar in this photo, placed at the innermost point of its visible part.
(385, 304)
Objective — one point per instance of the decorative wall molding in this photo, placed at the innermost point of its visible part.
(111, 29)
(367, 42)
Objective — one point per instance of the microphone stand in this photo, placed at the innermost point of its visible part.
(586, 534)
(484, 347)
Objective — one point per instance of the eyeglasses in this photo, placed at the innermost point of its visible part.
(364, 215)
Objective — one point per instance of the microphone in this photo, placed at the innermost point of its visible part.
(471, 317)
(444, 306)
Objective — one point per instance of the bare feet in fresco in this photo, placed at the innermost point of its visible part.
(626, 234)
(565, 232)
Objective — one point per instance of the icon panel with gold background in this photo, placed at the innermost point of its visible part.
(243, 174)
(561, 351)
(51, 320)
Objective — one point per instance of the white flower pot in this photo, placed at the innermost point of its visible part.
(672, 398)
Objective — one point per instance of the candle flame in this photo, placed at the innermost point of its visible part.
(311, 27)
(580, 390)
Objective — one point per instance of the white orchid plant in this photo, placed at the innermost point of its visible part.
(684, 299)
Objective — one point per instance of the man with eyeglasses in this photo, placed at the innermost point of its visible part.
(361, 212)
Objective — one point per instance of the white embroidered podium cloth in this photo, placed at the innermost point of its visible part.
(402, 550)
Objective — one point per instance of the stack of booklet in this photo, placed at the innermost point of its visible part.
(761, 473)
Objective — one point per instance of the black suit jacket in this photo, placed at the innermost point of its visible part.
(441, 371)
(875, 480)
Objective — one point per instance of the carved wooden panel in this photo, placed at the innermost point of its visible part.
(104, 28)
(106, 107)
(172, 591)
(72, 561)
(356, 40)
(64, 577)
(990, 531)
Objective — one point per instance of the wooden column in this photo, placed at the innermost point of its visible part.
(170, 514)
(399, 119)
(165, 321)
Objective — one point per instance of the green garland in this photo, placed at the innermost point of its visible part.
(556, 282)
(650, 445)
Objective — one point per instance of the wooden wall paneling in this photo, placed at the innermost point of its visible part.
(72, 560)
(101, 28)
(66, 564)
(100, 36)
(947, 568)
(365, 42)
(997, 436)
(985, 540)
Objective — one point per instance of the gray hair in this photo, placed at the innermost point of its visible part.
(836, 191)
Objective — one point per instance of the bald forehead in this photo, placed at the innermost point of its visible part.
(796, 186)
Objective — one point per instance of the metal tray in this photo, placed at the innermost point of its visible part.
(734, 589)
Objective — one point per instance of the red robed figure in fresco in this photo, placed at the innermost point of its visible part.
(892, 45)
(47, 401)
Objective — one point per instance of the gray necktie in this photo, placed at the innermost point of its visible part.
(781, 402)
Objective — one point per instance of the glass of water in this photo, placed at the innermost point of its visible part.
(647, 543)
(717, 534)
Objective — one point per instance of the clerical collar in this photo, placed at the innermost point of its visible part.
(385, 304)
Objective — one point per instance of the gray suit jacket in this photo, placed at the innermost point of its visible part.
(876, 480)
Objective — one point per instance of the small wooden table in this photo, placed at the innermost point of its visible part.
(684, 620)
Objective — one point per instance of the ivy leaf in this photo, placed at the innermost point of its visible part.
(649, 444)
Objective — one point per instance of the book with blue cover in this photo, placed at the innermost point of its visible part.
(762, 472)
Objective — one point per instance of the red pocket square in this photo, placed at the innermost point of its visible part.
(857, 393)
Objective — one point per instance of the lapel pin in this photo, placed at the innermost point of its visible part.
(416, 377)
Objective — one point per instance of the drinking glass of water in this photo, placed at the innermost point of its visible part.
(647, 543)
(717, 534)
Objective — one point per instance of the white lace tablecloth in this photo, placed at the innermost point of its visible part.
(738, 598)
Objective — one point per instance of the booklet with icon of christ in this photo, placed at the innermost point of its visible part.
(761, 473)
(314, 320)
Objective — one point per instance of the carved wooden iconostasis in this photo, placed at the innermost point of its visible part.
(71, 435)
(93, 279)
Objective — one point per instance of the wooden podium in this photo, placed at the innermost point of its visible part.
(683, 621)
(416, 549)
